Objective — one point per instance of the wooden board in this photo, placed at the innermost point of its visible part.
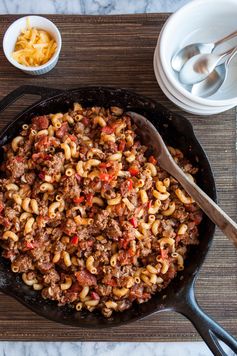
(118, 51)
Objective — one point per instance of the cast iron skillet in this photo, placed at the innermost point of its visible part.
(176, 131)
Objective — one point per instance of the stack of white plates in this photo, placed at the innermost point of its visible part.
(198, 21)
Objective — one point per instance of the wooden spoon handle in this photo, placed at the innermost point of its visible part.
(210, 208)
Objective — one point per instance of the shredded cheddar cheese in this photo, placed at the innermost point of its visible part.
(34, 47)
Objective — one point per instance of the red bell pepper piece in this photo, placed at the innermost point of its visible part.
(133, 170)
(108, 130)
(104, 165)
(105, 177)
(131, 252)
(152, 160)
(133, 221)
(130, 184)
(74, 240)
(78, 200)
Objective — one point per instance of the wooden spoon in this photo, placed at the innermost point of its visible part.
(148, 132)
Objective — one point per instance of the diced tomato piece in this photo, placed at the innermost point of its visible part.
(133, 221)
(74, 240)
(85, 278)
(108, 130)
(133, 170)
(85, 121)
(111, 282)
(19, 159)
(75, 287)
(122, 145)
(72, 138)
(131, 252)
(123, 243)
(37, 156)
(105, 165)
(152, 160)
(29, 245)
(95, 296)
(40, 122)
(62, 130)
(78, 200)
(89, 198)
(105, 177)
(149, 204)
(42, 142)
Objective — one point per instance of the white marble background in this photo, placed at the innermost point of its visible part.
(103, 349)
(90, 7)
(96, 7)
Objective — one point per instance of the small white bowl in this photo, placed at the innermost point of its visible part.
(13, 32)
(200, 21)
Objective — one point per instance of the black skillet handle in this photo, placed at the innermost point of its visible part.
(211, 332)
(43, 92)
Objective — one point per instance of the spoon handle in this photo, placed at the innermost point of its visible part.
(226, 38)
(210, 208)
(233, 53)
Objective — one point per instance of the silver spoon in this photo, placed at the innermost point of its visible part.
(199, 67)
(185, 53)
(149, 134)
(214, 81)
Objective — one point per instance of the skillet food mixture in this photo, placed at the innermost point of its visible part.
(87, 216)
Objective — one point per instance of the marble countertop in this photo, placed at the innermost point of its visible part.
(96, 7)
(88, 7)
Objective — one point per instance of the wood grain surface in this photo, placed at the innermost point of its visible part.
(118, 51)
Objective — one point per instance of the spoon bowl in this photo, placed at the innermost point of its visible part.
(215, 79)
(211, 84)
(198, 68)
(189, 51)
